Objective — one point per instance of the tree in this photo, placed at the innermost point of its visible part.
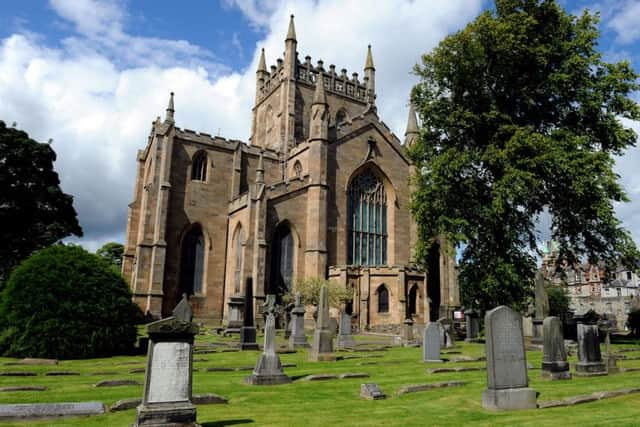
(559, 301)
(520, 115)
(34, 212)
(309, 289)
(112, 252)
(64, 302)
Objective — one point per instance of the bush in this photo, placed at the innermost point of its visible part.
(558, 301)
(633, 322)
(66, 303)
(309, 289)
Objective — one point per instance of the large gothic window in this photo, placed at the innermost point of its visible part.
(367, 210)
(192, 262)
(199, 167)
(281, 261)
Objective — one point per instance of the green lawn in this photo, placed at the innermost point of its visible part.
(334, 401)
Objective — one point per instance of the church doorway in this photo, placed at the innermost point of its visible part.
(433, 282)
(281, 263)
(192, 262)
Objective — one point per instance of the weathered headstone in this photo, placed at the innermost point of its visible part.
(268, 369)
(248, 330)
(590, 361)
(345, 338)
(431, 343)
(166, 400)
(407, 333)
(472, 322)
(541, 308)
(446, 333)
(610, 359)
(298, 338)
(22, 411)
(507, 381)
(554, 358)
(234, 323)
(322, 344)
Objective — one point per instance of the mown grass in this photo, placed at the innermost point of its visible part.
(334, 401)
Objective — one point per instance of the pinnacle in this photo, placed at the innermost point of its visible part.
(170, 110)
(262, 64)
(320, 97)
(291, 34)
(412, 122)
(369, 62)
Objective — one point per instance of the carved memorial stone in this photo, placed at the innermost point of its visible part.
(322, 344)
(298, 338)
(554, 359)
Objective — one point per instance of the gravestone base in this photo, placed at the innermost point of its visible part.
(175, 414)
(345, 341)
(262, 379)
(611, 363)
(248, 338)
(509, 399)
(537, 338)
(298, 342)
(433, 361)
(321, 348)
(268, 371)
(590, 369)
(322, 357)
(556, 370)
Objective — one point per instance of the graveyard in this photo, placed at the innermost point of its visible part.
(220, 368)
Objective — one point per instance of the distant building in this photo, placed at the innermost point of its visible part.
(589, 287)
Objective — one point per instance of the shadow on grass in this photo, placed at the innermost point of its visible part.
(222, 423)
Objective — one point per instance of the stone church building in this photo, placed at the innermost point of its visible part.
(321, 190)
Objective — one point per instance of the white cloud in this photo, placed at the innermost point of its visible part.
(625, 21)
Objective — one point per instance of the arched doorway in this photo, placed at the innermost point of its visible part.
(192, 262)
(281, 263)
(412, 303)
(433, 281)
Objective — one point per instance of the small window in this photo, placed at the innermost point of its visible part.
(297, 169)
(199, 167)
(383, 299)
(628, 275)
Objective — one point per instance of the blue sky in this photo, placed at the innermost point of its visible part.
(93, 74)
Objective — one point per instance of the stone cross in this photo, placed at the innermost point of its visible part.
(554, 359)
(268, 369)
(322, 345)
(507, 381)
(270, 304)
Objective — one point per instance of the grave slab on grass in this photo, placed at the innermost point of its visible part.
(25, 388)
(371, 391)
(116, 383)
(61, 373)
(414, 388)
(320, 377)
(17, 374)
(37, 410)
(349, 375)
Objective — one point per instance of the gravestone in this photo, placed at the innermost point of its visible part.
(554, 358)
(472, 321)
(248, 330)
(268, 369)
(371, 391)
(298, 338)
(236, 302)
(541, 309)
(345, 338)
(446, 333)
(610, 359)
(507, 381)
(408, 339)
(322, 344)
(166, 400)
(590, 361)
(431, 343)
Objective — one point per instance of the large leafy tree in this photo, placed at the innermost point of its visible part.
(34, 212)
(112, 252)
(521, 115)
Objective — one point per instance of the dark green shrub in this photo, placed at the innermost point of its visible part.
(558, 301)
(633, 321)
(66, 303)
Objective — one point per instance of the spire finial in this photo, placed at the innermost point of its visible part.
(262, 64)
(170, 110)
(369, 62)
(319, 97)
(291, 34)
(412, 131)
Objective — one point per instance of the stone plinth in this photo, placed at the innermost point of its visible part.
(589, 357)
(407, 333)
(268, 370)
(297, 339)
(345, 338)
(554, 359)
(248, 329)
(322, 344)
(166, 400)
(236, 303)
(507, 380)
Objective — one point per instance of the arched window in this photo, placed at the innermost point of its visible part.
(383, 299)
(237, 242)
(199, 167)
(192, 262)
(281, 261)
(297, 168)
(367, 217)
(341, 116)
(413, 300)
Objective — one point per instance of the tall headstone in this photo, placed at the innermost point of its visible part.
(472, 322)
(408, 339)
(268, 369)
(431, 343)
(345, 337)
(248, 330)
(554, 358)
(234, 324)
(298, 338)
(322, 344)
(541, 308)
(166, 401)
(590, 361)
(507, 380)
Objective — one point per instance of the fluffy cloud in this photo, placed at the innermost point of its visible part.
(625, 21)
(97, 92)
